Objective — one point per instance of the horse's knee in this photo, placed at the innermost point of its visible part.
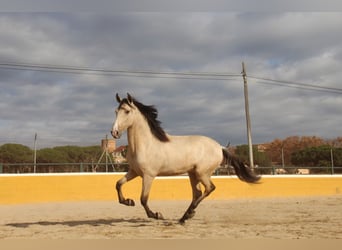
(209, 190)
(197, 193)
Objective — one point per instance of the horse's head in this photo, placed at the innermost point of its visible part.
(127, 113)
(124, 115)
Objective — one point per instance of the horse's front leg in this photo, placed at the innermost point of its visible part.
(146, 187)
(129, 176)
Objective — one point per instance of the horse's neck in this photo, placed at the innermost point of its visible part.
(139, 136)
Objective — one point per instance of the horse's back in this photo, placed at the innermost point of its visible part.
(199, 141)
(195, 150)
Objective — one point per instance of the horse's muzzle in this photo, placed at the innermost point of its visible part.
(116, 134)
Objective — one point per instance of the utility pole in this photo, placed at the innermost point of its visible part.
(107, 154)
(35, 153)
(332, 160)
(282, 156)
(248, 119)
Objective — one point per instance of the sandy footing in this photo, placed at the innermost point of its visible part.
(280, 218)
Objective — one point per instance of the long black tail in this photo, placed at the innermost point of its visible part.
(241, 170)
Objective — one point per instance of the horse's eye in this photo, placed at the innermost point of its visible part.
(127, 112)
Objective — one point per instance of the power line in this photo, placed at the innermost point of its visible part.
(161, 74)
(297, 85)
(130, 75)
(120, 72)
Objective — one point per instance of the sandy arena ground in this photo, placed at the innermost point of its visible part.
(281, 218)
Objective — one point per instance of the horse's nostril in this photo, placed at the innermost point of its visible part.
(115, 134)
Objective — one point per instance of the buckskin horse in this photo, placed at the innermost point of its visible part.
(152, 152)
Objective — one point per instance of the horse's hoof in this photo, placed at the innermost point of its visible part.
(182, 221)
(159, 216)
(186, 216)
(129, 202)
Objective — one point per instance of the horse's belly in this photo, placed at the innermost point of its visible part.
(167, 171)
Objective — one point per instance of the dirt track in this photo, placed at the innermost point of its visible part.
(283, 218)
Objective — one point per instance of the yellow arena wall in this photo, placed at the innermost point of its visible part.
(17, 189)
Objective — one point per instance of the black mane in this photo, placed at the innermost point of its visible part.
(150, 113)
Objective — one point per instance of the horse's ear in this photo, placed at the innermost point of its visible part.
(129, 98)
(118, 98)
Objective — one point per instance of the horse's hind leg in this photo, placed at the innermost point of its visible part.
(209, 187)
(129, 176)
(196, 193)
(195, 185)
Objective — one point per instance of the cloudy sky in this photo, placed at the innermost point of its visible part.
(58, 74)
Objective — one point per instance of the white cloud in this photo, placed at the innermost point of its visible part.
(78, 108)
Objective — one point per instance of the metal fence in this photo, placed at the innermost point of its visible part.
(18, 168)
(278, 170)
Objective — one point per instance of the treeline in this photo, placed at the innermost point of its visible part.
(17, 153)
(296, 151)
(22, 156)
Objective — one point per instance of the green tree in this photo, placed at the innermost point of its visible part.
(91, 153)
(318, 157)
(71, 153)
(50, 155)
(337, 154)
(260, 158)
(313, 156)
(15, 153)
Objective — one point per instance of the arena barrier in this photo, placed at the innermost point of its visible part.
(33, 188)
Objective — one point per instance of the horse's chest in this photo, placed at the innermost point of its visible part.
(139, 164)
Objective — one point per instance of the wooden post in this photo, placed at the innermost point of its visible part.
(332, 160)
(282, 157)
(106, 153)
(35, 154)
(248, 120)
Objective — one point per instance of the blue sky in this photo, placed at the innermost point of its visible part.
(78, 109)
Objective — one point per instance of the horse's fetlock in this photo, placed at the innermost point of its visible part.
(191, 214)
(143, 202)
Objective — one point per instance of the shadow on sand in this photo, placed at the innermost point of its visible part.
(74, 223)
